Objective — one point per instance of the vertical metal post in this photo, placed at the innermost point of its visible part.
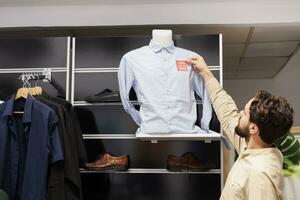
(221, 130)
(73, 70)
(68, 69)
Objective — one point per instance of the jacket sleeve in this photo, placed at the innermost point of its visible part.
(126, 82)
(55, 149)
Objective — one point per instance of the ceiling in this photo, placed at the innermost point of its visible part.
(259, 51)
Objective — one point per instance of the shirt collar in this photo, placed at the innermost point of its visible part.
(157, 47)
(9, 108)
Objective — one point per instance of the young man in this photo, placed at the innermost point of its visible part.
(257, 173)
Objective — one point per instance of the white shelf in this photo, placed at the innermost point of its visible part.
(207, 137)
(150, 171)
(108, 136)
(214, 68)
(84, 103)
(115, 69)
(31, 70)
(95, 70)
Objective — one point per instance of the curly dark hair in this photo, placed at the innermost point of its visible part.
(273, 116)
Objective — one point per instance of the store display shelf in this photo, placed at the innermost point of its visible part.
(108, 136)
(84, 103)
(115, 69)
(207, 137)
(150, 171)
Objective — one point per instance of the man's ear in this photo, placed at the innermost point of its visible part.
(253, 129)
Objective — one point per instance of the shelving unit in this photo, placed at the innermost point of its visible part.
(148, 152)
(118, 138)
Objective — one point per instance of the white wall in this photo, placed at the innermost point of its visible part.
(17, 14)
(286, 84)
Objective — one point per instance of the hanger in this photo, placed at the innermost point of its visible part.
(38, 90)
(24, 91)
(27, 89)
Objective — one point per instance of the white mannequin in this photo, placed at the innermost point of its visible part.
(162, 37)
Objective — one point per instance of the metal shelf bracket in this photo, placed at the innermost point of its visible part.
(47, 73)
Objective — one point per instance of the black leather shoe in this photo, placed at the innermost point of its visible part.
(106, 95)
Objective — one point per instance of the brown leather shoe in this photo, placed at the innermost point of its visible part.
(186, 162)
(108, 162)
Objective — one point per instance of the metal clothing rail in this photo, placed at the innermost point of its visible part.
(45, 75)
(31, 70)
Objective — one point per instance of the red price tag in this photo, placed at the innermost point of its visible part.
(181, 65)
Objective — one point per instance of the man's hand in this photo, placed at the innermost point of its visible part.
(200, 67)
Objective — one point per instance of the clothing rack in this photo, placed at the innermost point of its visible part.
(46, 77)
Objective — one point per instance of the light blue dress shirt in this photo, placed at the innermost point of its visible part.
(165, 91)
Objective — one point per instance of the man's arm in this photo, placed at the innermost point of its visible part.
(223, 104)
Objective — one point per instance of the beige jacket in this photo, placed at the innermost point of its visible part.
(257, 173)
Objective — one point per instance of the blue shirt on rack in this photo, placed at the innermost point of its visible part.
(165, 86)
(28, 144)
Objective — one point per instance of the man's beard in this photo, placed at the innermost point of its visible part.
(242, 132)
